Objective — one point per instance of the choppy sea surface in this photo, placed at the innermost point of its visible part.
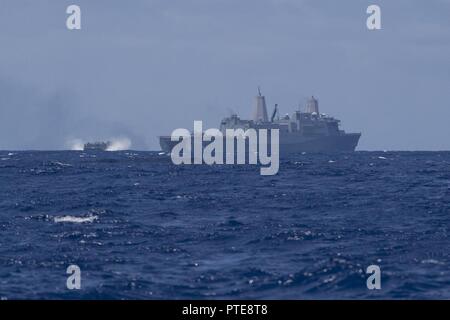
(140, 227)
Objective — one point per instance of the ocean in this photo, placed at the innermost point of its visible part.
(140, 227)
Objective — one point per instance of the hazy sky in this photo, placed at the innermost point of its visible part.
(142, 68)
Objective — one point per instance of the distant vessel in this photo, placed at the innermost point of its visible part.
(97, 146)
(308, 131)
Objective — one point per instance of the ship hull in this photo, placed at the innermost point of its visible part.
(295, 144)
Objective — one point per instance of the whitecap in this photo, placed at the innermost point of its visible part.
(330, 279)
(382, 158)
(74, 219)
(431, 261)
(161, 153)
(62, 164)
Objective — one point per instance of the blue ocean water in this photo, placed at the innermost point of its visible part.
(140, 227)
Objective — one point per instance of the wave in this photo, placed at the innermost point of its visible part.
(74, 219)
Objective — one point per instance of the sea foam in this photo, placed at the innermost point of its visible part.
(74, 219)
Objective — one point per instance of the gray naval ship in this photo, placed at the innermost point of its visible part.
(307, 131)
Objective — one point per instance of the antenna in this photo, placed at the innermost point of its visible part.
(259, 91)
(275, 110)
